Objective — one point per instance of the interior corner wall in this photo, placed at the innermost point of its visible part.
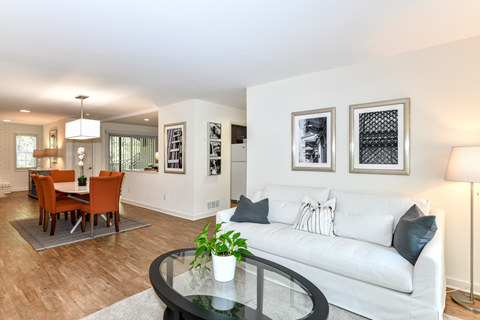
(19, 178)
(61, 144)
(166, 192)
(217, 187)
(442, 83)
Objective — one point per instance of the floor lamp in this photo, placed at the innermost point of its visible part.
(464, 166)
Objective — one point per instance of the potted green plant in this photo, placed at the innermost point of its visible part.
(82, 181)
(225, 249)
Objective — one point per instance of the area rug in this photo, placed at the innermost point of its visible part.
(31, 231)
(147, 306)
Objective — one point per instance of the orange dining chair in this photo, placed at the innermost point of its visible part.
(62, 175)
(121, 174)
(41, 197)
(54, 206)
(103, 199)
(104, 173)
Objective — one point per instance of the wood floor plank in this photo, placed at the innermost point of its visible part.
(74, 281)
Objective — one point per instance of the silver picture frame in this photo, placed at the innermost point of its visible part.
(313, 140)
(380, 137)
(52, 140)
(175, 147)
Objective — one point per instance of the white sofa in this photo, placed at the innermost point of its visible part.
(366, 278)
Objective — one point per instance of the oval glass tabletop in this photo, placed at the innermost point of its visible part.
(260, 290)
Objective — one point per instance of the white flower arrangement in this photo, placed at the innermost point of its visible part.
(81, 156)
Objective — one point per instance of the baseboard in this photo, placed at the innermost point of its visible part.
(460, 284)
(19, 189)
(171, 212)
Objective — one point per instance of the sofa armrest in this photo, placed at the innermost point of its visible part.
(225, 215)
(429, 283)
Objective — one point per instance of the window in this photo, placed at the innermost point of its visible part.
(131, 151)
(25, 144)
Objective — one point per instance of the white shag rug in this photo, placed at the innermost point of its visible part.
(147, 306)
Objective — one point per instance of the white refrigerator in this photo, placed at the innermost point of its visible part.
(239, 171)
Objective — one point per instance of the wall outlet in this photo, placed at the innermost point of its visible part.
(164, 196)
(128, 190)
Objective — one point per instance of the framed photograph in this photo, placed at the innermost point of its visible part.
(52, 137)
(215, 167)
(215, 130)
(175, 147)
(215, 149)
(380, 137)
(313, 140)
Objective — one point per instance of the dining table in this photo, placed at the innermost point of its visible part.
(72, 189)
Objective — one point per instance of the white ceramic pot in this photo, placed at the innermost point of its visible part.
(224, 267)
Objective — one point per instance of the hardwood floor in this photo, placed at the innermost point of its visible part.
(74, 281)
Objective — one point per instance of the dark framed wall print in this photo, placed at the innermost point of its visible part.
(215, 149)
(215, 130)
(380, 137)
(175, 135)
(313, 140)
(215, 167)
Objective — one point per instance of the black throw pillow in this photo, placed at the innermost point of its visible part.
(248, 211)
(414, 230)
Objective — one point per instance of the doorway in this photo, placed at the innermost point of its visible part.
(238, 178)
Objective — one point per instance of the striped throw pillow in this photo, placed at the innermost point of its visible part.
(315, 217)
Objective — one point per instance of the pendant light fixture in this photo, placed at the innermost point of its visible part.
(82, 129)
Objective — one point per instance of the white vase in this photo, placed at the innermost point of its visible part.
(224, 267)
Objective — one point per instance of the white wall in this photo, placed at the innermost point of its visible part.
(19, 178)
(61, 144)
(442, 83)
(208, 188)
(186, 194)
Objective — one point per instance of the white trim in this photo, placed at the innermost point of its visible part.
(19, 189)
(171, 212)
(15, 134)
(459, 284)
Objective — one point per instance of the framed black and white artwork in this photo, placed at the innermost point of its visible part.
(215, 130)
(313, 140)
(215, 167)
(215, 149)
(380, 137)
(175, 134)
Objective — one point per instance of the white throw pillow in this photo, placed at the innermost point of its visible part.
(374, 228)
(315, 217)
(282, 211)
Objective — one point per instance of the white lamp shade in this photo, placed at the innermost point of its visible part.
(464, 164)
(156, 155)
(82, 129)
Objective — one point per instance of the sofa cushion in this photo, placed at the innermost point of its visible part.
(359, 260)
(248, 211)
(374, 228)
(315, 217)
(413, 232)
(282, 211)
(365, 203)
(294, 194)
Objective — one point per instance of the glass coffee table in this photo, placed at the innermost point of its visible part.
(261, 290)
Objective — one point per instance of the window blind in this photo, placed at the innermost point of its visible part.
(127, 151)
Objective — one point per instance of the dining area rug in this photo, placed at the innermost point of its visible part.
(33, 233)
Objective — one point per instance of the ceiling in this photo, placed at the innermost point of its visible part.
(131, 57)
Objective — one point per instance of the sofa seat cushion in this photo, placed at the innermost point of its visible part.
(359, 260)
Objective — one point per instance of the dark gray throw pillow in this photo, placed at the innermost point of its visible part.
(414, 230)
(248, 211)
